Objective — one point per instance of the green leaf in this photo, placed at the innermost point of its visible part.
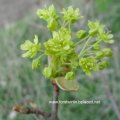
(67, 85)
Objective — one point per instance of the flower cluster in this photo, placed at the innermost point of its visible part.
(31, 48)
(61, 49)
(71, 15)
(60, 44)
(50, 16)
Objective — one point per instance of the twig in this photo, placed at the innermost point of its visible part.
(28, 110)
(54, 113)
(34, 110)
(110, 96)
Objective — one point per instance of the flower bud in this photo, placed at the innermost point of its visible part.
(107, 52)
(102, 65)
(47, 72)
(52, 24)
(81, 34)
(69, 75)
(99, 54)
(35, 63)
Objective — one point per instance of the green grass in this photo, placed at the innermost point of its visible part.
(18, 82)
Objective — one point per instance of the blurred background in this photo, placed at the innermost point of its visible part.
(18, 22)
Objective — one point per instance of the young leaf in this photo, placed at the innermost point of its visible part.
(67, 85)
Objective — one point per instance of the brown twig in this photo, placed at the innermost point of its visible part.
(30, 110)
(34, 110)
(54, 113)
(21, 108)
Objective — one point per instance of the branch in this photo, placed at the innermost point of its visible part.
(28, 110)
(54, 110)
(54, 113)
(24, 109)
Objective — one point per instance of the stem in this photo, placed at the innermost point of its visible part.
(84, 46)
(69, 26)
(34, 110)
(92, 45)
(79, 42)
(54, 112)
(28, 110)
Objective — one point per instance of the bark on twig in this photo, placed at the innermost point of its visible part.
(34, 110)
(28, 110)
(54, 113)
